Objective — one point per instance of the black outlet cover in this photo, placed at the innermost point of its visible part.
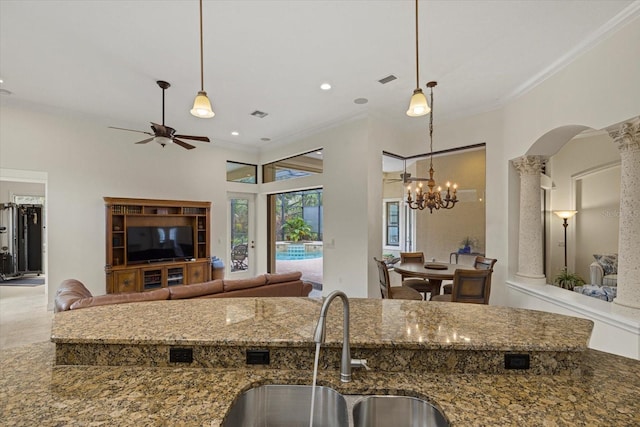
(180, 355)
(516, 361)
(257, 357)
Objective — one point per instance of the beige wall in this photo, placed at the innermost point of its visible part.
(440, 233)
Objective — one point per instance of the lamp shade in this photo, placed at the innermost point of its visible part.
(202, 106)
(418, 105)
(565, 214)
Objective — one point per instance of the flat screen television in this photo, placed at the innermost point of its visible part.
(153, 243)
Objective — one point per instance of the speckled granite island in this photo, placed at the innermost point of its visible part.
(109, 365)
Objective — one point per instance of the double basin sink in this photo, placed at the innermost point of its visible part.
(290, 406)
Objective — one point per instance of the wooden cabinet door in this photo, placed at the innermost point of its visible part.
(126, 280)
(196, 272)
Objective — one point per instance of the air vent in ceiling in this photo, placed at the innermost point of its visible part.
(387, 79)
(259, 114)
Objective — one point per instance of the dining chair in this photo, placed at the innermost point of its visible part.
(480, 263)
(393, 292)
(421, 285)
(469, 286)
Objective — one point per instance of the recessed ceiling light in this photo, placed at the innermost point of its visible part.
(1, 81)
(235, 133)
(325, 86)
(360, 101)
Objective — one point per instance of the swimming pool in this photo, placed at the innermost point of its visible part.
(289, 256)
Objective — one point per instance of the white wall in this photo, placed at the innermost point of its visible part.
(85, 161)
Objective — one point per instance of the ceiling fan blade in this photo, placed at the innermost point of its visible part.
(195, 138)
(184, 144)
(144, 141)
(131, 130)
(158, 128)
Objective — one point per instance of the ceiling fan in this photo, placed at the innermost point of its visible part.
(162, 134)
(405, 177)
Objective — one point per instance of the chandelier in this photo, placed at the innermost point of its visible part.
(432, 199)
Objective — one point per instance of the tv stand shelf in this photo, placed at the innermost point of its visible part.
(125, 275)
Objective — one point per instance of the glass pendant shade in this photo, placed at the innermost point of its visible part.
(418, 105)
(202, 106)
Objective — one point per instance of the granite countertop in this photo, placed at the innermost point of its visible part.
(36, 391)
(33, 391)
(290, 322)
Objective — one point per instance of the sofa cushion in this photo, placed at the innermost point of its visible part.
(237, 284)
(283, 277)
(196, 290)
(156, 295)
(609, 263)
(610, 280)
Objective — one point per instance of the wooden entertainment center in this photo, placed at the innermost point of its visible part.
(122, 214)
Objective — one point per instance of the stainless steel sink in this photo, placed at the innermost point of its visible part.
(287, 406)
(397, 411)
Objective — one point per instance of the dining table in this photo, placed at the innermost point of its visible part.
(435, 272)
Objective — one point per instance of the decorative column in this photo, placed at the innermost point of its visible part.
(627, 138)
(530, 263)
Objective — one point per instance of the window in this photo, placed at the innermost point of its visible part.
(242, 172)
(392, 223)
(294, 167)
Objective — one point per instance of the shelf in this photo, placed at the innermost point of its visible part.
(123, 213)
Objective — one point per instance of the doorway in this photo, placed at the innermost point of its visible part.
(295, 230)
(241, 255)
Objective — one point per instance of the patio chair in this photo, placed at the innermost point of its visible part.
(239, 255)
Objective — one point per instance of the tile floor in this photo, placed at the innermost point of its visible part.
(24, 318)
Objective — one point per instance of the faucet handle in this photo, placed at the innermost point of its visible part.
(360, 363)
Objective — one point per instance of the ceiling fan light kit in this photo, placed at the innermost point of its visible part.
(202, 105)
(162, 134)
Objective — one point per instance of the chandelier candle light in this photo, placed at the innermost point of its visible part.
(432, 199)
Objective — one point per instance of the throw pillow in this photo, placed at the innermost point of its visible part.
(609, 263)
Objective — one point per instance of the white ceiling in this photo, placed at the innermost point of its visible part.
(102, 58)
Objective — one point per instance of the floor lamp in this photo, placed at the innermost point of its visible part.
(565, 215)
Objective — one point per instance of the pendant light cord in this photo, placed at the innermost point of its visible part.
(431, 126)
(417, 58)
(201, 52)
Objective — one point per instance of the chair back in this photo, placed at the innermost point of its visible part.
(417, 257)
(383, 277)
(471, 286)
(411, 257)
(482, 263)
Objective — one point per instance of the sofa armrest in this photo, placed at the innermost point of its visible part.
(596, 273)
(70, 291)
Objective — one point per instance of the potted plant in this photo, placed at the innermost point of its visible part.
(568, 280)
(466, 245)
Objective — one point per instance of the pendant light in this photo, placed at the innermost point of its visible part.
(202, 105)
(418, 105)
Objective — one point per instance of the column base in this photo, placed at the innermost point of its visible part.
(531, 279)
(626, 305)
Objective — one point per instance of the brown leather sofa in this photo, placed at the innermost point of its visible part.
(72, 294)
